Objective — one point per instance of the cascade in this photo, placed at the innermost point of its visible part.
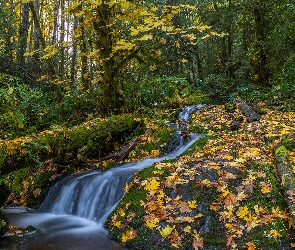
(76, 208)
(93, 195)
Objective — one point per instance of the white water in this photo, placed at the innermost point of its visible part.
(77, 207)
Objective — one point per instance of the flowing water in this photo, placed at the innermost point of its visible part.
(76, 208)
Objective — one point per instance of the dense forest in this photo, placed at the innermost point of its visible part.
(81, 79)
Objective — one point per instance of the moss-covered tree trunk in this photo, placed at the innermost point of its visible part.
(105, 15)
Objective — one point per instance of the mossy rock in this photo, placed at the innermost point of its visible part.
(3, 223)
(282, 151)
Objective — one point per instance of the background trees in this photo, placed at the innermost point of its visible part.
(100, 53)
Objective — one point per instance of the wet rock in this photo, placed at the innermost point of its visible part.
(173, 143)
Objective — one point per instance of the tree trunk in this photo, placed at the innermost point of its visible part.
(102, 27)
(61, 41)
(23, 33)
(74, 54)
(261, 69)
(51, 67)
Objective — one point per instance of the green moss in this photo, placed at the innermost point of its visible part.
(289, 144)
(281, 151)
(94, 136)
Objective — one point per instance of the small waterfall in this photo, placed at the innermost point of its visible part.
(93, 195)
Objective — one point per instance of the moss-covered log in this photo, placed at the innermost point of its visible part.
(287, 177)
(89, 140)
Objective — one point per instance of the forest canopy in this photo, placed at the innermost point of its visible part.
(105, 52)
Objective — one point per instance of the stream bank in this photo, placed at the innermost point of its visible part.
(223, 193)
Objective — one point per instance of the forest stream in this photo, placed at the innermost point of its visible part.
(76, 208)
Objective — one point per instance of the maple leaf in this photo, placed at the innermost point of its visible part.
(152, 185)
(129, 235)
(229, 240)
(184, 207)
(250, 246)
(243, 211)
(152, 223)
(166, 231)
(192, 204)
(198, 241)
(241, 196)
(265, 188)
(215, 206)
(206, 183)
(230, 199)
(155, 153)
(274, 233)
(228, 157)
(187, 229)
(267, 219)
(121, 212)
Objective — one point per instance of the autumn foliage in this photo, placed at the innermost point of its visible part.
(226, 189)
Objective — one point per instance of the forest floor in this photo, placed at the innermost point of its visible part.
(223, 193)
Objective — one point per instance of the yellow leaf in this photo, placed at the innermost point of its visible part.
(155, 153)
(199, 215)
(117, 223)
(274, 233)
(187, 229)
(121, 212)
(152, 223)
(10, 91)
(129, 235)
(146, 37)
(67, 88)
(166, 231)
(192, 204)
(243, 211)
(228, 157)
(152, 185)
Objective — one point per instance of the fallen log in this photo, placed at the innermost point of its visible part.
(85, 141)
(249, 112)
(123, 153)
(185, 132)
(287, 177)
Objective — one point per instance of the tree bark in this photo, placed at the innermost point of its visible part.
(23, 33)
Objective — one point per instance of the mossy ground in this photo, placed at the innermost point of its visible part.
(233, 179)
